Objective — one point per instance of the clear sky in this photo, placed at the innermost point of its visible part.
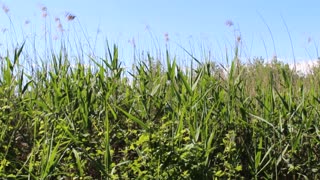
(195, 25)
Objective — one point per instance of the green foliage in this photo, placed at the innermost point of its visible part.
(159, 122)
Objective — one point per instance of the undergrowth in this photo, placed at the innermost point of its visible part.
(162, 121)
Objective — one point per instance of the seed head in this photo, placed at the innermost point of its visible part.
(229, 23)
(70, 17)
(166, 37)
(44, 10)
(238, 38)
(5, 9)
(60, 28)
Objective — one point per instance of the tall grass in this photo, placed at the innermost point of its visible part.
(159, 120)
(253, 121)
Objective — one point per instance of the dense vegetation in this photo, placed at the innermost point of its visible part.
(159, 120)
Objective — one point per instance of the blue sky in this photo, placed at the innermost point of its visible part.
(195, 25)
